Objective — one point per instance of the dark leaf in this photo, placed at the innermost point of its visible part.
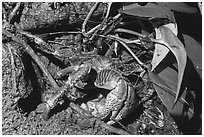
(131, 5)
(177, 48)
(151, 10)
(194, 52)
(178, 6)
(160, 51)
(165, 84)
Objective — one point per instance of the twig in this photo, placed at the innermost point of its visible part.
(129, 50)
(13, 13)
(108, 10)
(14, 88)
(96, 27)
(160, 41)
(102, 23)
(33, 55)
(87, 18)
(38, 40)
(130, 32)
(93, 29)
(67, 32)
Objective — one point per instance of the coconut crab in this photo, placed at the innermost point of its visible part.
(118, 102)
(121, 97)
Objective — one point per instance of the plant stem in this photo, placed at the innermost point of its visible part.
(160, 41)
(129, 50)
(33, 55)
(13, 13)
(14, 88)
(103, 22)
(87, 18)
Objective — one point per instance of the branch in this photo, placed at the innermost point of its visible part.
(13, 13)
(87, 18)
(33, 55)
(14, 88)
(46, 47)
(96, 27)
(160, 41)
(129, 50)
(102, 23)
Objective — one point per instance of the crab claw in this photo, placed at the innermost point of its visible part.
(46, 111)
(43, 109)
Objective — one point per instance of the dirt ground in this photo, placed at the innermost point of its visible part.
(21, 113)
(65, 121)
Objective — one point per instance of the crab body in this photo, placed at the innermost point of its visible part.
(121, 97)
(119, 101)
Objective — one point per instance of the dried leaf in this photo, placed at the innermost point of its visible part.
(151, 10)
(178, 6)
(177, 48)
